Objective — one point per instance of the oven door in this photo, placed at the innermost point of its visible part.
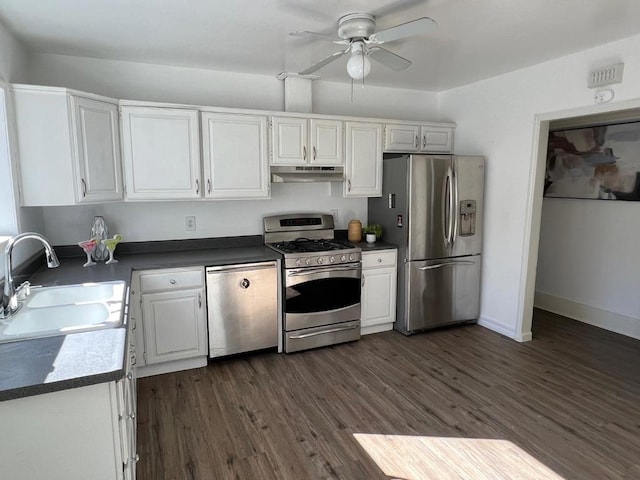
(322, 295)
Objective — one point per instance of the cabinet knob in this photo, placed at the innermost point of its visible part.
(245, 283)
(172, 281)
(379, 260)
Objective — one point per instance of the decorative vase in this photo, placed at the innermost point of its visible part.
(100, 232)
(354, 231)
(371, 238)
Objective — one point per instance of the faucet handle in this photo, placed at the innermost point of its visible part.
(23, 291)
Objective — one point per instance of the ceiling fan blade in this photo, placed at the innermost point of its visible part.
(323, 62)
(388, 59)
(414, 27)
(316, 36)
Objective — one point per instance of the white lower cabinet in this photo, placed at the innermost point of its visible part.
(169, 310)
(80, 433)
(379, 284)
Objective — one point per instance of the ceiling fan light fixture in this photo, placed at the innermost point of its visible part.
(359, 65)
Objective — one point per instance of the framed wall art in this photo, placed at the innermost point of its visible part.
(600, 162)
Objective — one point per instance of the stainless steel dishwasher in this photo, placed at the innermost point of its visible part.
(242, 301)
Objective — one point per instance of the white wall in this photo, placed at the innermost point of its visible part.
(495, 118)
(162, 83)
(13, 68)
(165, 220)
(13, 57)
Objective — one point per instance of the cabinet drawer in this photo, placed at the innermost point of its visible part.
(379, 258)
(172, 279)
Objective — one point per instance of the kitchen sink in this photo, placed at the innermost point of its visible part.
(75, 294)
(51, 311)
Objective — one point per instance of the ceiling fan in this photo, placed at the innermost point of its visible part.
(358, 32)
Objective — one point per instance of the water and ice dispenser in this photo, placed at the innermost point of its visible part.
(467, 220)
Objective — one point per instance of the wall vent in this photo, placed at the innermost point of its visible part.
(605, 76)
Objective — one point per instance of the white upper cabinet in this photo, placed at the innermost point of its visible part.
(235, 156)
(69, 147)
(417, 138)
(363, 162)
(301, 141)
(98, 149)
(161, 149)
(402, 138)
(326, 142)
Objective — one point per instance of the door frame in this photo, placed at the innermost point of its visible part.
(597, 113)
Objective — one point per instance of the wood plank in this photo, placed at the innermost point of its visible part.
(456, 403)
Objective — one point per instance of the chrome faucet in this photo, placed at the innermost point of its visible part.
(9, 297)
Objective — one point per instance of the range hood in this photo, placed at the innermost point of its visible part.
(297, 174)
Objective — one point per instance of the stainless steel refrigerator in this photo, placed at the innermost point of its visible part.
(431, 207)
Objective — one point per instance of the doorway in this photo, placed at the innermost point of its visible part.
(609, 113)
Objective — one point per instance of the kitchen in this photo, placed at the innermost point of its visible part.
(500, 140)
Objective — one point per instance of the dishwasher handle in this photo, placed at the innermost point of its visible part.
(241, 266)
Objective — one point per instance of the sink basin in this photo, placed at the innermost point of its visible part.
(75, 294)
(51, 311)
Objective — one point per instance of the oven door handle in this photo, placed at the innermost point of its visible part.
(322, 332)
(310, 271)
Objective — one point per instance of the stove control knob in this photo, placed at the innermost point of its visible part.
(343, 258)
(298, 262)
(351, 256)
(320, 261)
(332, 259)
(308, 261)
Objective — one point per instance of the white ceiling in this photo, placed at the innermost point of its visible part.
(475, 39)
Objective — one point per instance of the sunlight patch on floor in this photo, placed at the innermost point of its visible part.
(421, 458)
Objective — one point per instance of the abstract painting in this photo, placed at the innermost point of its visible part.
(600, 162)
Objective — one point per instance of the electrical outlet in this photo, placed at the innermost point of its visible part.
(190, 223)
(334, 212)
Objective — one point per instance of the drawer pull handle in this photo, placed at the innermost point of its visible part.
(379, 260)
(245, 283)
(172, 281)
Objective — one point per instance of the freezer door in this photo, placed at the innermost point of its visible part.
(442, 292)
(468, 203)
(430, 206)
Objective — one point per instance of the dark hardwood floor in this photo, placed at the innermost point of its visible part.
(566, 405)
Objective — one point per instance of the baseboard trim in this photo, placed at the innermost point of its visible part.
(168, 367)
(501, 328)
(614, 322)
(383, 327)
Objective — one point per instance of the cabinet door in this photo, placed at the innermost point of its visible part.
(363, 162)
(402, 138)
(378, 296)
(161, 148)
(437, 139)
(326, 142)
(174, 325)
(98, 150)
(289, 141)
(235, 156)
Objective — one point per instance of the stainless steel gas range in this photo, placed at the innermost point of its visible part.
(321, 278)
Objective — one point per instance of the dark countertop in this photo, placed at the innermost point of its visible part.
(33, 367)
(378, 245)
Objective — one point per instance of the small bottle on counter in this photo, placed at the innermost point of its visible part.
(354, 231)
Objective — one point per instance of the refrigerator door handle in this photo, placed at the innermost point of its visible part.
(455, 207)
(445, 202)
(451, 206)
(447, 264)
